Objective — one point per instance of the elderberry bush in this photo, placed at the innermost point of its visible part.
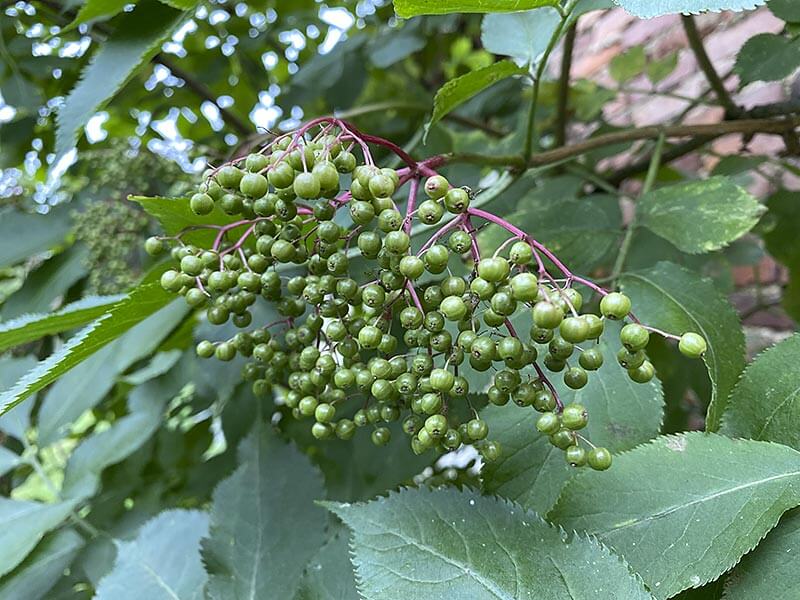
(350, 353)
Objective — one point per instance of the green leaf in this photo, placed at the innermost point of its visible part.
(136, 39)
(42, 232)
(139, 304)
(414, 8)
(160, 364)
(780, 240)
(22, 525)
(88, 383)
(684, 509)
(544, 218)
(655, 8)
(628, 65)
(386, 50)
(520, 35)
(40, 571)
(8, 460)
(767, 57)
(788, 10)
(264, 524)
(112, 445)
(674, 299)
(459, 90)
(174, 215)
(770, 571)
(28, 328)
(47, 283)
(700, 216)
(94, 10)
(329, 575)
(162, 563)
(659, 69)
(446, 543)
(623, 414)
(181, 4)
(16, 422)
(765, 404)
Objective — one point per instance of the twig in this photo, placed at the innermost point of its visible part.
(563, 86)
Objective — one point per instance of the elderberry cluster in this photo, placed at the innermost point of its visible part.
(410, 340)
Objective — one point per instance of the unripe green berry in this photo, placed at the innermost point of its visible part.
(599, 459)
(692, 345)
(615, 306)
(574, 416)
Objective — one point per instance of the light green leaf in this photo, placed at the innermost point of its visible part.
(684, 509)
(8, 460)
(329, 575)
(162, 563)
(700, 216)
(16, 422)
(39, 572)
(623, 414)
(659, 69)
(767, 57)
(674, 299)
(22, 525)
(94, 10)
(28, 328)
(47, 283)
(770, 571)
(136, 39)
(765, 404)
(264, 524)
(788, 10)
(395, 45)
(446, 543)
(42, 233)
(629, 64)
(520, 35)
(160, 364)
(182, 4)
(88, 383)
(112, 445)
(139, 304)
(655, 8)
(459, 90)
(175, 215)
(413, 8)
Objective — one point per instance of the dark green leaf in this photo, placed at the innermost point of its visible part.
(413, 8)
(446, 543)
(623, 414)
(38, 573)
(700, 216)
(676, 300)
(329, 575)
(520, 35)
(389, 49)
(770, 571)
(87, 384)
(22, 525)
(767, 57)
(264, 524)
(162, 563)
(28, 328)
(135, 40)
(16, 422)
(765, 404)
(781, 237)
(139, 304)
(42, 232)
(46, 284)
(112, 445)
(656, 8)
(788, 10)
(459, 90)
(684, 509)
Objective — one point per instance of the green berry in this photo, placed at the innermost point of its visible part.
(306, 185)
(615, 306)
(201, 204)
(599, 459)
(643, 373)
(574, 329)
(548, 423)
(692, 345)
(576, 456)
(574, 416)
(154, 246)
(634, 337)
(525, 287)
(547, 315)
(436, 187)
(253, 185)
(575, 378)
(591, 359)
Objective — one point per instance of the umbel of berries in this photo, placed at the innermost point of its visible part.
(399, 337)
